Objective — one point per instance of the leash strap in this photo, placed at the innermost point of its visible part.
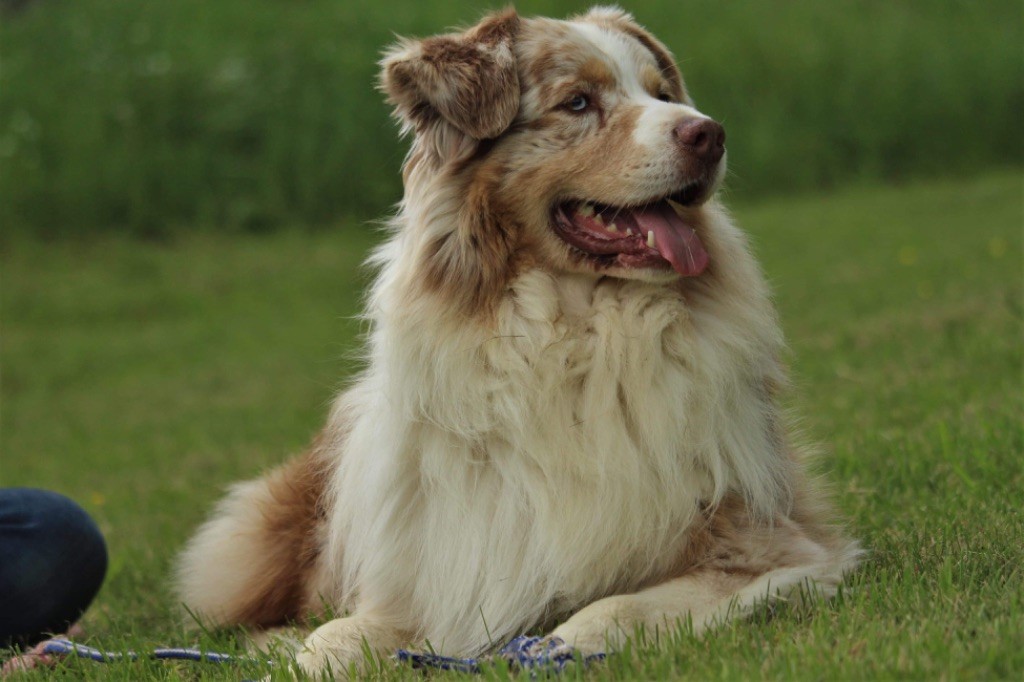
(526, 653)
(64, 647)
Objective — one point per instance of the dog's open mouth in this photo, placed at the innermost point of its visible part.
(650, 235)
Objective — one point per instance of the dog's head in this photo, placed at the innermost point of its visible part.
(571, 145)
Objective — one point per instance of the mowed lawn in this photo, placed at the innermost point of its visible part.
(141, 378)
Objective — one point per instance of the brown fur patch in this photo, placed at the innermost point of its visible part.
(294, 514)
(729, 541)
(653, 82)
(549, 55)
(500, 27)
(663, 57)
(596, 73)
(623, 22)
(596, 162)
(469, 80)
(472, 266)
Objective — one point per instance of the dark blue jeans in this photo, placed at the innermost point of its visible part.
(52, 563)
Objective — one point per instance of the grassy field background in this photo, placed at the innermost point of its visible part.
(141, 378)
(184, 192)
(245, 115)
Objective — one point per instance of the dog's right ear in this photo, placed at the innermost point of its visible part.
(468, 80)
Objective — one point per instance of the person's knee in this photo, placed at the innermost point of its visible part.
(56, 562)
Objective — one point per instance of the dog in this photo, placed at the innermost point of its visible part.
(569, 419)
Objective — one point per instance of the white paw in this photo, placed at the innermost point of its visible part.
(601, 627)
(339, 646)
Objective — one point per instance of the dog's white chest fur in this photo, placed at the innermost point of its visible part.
(493, 477)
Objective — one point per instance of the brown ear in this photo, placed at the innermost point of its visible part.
(468, 79)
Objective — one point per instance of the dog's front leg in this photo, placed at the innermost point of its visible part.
(704, 598)
(605, 624)
(344, 646)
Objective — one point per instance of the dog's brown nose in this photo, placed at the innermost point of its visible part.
(701, 137)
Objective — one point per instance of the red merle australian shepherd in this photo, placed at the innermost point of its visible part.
(569, 421)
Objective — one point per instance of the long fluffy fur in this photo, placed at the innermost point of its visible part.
(528, 440)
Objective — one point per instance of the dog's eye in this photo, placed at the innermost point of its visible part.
(578, 103)
(665, 97)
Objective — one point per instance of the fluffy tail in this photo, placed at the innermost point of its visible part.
(256, 561)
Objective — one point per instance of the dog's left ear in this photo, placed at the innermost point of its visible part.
(467, 79)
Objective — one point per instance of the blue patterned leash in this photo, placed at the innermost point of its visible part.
(527, 653)
(64, 647)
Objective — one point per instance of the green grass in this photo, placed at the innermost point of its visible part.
(157, 117)
(141, 378)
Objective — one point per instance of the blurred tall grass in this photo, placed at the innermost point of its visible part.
(152, 116)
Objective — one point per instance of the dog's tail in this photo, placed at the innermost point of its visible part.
(256, 561)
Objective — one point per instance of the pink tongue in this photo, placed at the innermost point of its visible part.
(677, 242)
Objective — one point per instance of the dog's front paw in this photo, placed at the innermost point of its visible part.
(599, 628)
(339, 647)
(586, 641)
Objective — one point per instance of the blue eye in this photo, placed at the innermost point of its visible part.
(578, 103)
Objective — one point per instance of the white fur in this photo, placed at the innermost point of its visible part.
(655, 124)
(233, 536)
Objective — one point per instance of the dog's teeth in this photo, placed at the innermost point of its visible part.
(650, 239)
(585, 210)
(598, 219)
(613, 228)
(629, 231)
